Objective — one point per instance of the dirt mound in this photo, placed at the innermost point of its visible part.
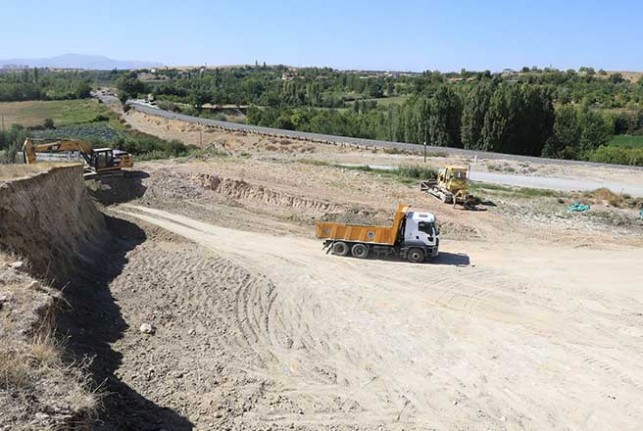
(241, 190)
(607, 197)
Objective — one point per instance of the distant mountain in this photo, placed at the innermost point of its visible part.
(77, 61)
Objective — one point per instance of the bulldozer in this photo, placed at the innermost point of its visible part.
(98, 162)
(451, 186)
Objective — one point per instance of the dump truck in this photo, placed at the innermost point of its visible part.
(451, 186)
(414, 235)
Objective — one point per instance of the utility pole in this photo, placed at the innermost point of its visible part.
(200, 138)
(424, 151)
(3, 124)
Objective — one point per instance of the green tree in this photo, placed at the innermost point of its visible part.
(123, 97)
(445, 108)
(497, 122)
(475, 107)
(198, 98)
(131, 84)
(82, 90)
(595, 131)
(534, 121)
(390, 88)
(565, 141)
(616, 78)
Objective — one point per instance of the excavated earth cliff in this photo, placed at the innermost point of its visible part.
(49, 230)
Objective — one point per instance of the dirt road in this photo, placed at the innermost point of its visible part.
(490, 336)
(565, 184)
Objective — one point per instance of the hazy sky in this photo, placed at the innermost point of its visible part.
(400, 35)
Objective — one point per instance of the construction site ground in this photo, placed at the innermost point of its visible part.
(205, 302)
(530, 318)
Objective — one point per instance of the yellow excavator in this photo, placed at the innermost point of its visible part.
(99, 161)
(451, 186)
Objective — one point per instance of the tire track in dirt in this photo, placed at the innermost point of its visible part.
(433, 345)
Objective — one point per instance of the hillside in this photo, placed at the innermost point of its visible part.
(79, 61)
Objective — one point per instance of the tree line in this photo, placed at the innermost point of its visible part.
(42, 84)
(563, 114)
(491, 116)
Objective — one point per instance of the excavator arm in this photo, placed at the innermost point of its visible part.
(30, 148)
(99, 161)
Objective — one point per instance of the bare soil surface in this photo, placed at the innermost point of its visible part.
(485, 337)
(529, 319)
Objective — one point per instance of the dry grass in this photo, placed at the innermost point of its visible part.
(45, 351)
(14, 368)
(500, 167)
(8, 172)
(32, 368)
(606, 196)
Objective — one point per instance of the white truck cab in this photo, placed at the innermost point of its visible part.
(421, 229)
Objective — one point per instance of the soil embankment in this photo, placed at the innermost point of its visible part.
(49, 227)
(49, 220)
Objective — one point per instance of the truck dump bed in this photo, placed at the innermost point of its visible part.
(385, 235)
(355, 233)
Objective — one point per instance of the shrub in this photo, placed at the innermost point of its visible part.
(618, 155)
(167, 106)
(11, 142)
(100, 118)
(416, 172)
(48, 123)
(147, 146)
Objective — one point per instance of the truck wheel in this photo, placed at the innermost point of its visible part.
(415, 255)
(360, 251)
(340, 248)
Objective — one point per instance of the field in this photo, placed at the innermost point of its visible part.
(102, 131)
(627, 141)
(386, 101)
(63, 112)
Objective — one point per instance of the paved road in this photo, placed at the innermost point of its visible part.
(549, 183)
(563, 184)
(359, 142)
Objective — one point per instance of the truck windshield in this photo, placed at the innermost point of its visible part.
(426, 227)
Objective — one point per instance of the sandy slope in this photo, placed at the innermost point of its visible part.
(523, 337)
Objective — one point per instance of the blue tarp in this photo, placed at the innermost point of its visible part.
(578, 207)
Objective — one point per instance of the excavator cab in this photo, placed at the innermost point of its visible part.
(103, 159)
